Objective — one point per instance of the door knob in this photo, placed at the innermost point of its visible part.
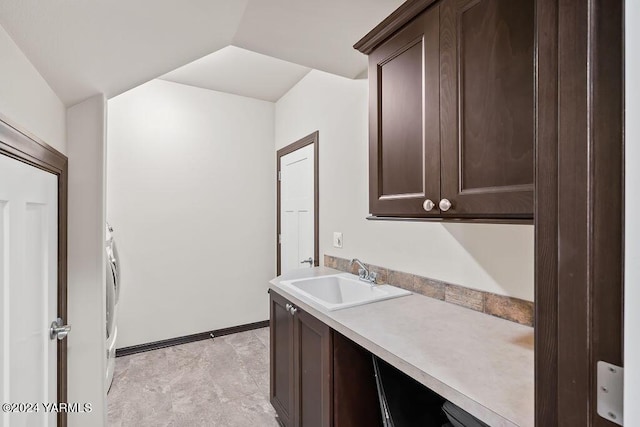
(58, 330)
(428, 205)
(445, 205)
(310, 261)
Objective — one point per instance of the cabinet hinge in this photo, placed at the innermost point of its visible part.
(610, 392)
(279, 175)
(279, 239)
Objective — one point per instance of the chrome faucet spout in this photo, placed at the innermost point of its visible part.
(362, 266)
(363, 272)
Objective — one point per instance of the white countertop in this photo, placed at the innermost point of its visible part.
(481, 363)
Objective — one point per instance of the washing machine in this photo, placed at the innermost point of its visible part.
(112, 297)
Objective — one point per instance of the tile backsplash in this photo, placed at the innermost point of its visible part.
(508, 308)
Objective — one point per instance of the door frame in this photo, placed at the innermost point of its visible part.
(24, 147)
(579, 208)
(303, 142)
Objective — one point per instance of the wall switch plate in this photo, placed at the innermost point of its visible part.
(337, 239)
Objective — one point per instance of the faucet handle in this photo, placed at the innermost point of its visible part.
(362, 273)
(373, 276)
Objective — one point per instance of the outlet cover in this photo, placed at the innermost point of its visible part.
(337, 239)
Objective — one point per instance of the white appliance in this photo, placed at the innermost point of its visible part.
(113, 295)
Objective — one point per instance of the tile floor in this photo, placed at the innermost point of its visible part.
(222, 382)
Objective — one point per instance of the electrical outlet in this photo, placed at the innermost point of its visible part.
(337, 239)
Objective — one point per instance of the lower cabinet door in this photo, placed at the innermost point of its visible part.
(313, 371)
(281, 360)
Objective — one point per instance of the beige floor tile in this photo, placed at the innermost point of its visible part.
(221, 382)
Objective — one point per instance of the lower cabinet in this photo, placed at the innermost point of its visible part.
(301, 366)
(281, 359)
(318, 377)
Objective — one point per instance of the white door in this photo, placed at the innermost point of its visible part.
(28, 292)
(296, 209)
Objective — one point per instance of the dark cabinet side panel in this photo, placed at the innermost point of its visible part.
(355, 395)
(487, 99)
(404, 136)
(281, 360)
(314, 371)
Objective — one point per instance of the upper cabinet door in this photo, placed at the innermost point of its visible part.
(487, 107)
(404, 120)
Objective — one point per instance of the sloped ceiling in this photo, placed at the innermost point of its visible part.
(315, 33)
(241, 72)
(84, 47)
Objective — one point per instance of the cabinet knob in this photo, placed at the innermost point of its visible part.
(445, 205)
(291, 309)
(428, 205)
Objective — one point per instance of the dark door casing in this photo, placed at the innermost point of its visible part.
(312, 138)
(24, 147)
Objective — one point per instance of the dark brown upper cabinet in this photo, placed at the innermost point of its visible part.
(451, 122)
(404, 120)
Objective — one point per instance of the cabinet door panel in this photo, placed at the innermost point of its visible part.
(314, 371)
(281, 360)
(401, 150)
(404, 147)
(487, 101)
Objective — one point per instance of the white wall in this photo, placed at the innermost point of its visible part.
(86, 284)
(632, 215)
(191, 197)
(26, 99)
(495, 258)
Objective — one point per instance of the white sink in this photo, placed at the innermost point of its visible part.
(340, 291)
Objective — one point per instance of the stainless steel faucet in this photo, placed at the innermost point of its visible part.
(363, 272)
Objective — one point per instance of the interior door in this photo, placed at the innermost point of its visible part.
(297, 216)
(28, 292)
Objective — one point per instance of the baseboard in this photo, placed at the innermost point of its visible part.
(141, 348)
